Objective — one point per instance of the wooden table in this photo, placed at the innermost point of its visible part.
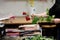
(17, 20)
(22, 20)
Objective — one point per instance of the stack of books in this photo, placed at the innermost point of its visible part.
(32, 29)
(24, 30)
(12, 32)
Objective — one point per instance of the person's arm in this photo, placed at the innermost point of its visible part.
(53, 11)
(40, 14)
(56, 20)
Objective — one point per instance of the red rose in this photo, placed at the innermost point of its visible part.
(27, 18)
(24, 13)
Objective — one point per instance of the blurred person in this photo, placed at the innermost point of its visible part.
(55, 10)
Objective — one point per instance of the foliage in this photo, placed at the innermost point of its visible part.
(39, 37)
(35, 20)
(44, 19)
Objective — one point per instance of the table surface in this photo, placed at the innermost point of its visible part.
(22, 20)
(17, 20)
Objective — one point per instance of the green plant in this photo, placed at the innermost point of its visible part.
(39, 37)
(43, 19)
(34, 21)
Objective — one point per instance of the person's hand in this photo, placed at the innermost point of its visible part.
(56, 20)
(41, 14)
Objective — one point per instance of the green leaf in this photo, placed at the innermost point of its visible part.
(47, 11)
(35, 20)
(48, 19)
(53, 16)
(41, 19)
(40, 37)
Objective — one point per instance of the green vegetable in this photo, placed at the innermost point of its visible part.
(49, 19)
(47, 11)
(53, 16)
(34, 21)
(39, 37)
(43, 19)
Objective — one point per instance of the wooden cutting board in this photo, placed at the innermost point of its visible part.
(17, 20)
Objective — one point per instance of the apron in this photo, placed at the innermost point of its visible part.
(55, 10)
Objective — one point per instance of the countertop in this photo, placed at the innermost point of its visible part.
(16, 20)
(22, 20)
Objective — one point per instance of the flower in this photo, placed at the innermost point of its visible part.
(27, 17)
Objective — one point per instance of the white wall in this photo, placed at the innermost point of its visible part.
(17, 7)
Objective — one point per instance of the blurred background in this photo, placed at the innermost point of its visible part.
(17, 7)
